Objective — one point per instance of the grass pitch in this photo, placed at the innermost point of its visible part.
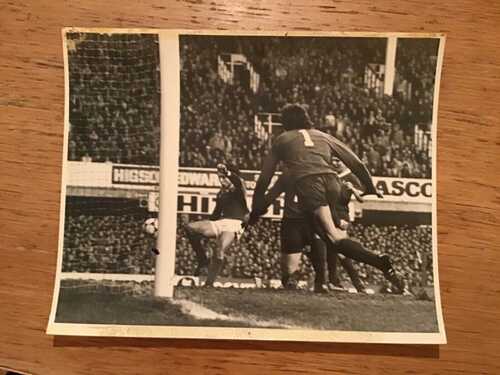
(131, 303)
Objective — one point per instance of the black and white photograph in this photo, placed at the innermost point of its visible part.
(262, 186)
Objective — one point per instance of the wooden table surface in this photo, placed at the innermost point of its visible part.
(31, 133)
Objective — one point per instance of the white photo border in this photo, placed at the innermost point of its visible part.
(277, 334)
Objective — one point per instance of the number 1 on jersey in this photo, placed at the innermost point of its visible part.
(307, 138)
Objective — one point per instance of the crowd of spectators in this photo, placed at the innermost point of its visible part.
(410, 248)
(378, 128)
(114, 95)
(117, 244)
(416, 63)
(114, 83)
(107, 244)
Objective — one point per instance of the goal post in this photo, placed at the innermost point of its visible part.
(390, 65)
(169, 163)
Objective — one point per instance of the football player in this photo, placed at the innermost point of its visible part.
(225, 224)
(350, 187)
(307, 153)
(297, 233)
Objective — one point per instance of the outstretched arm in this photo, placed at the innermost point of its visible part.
(356, 166)
(271, 195)
(354, 191)
(266, 174)
(237, 182)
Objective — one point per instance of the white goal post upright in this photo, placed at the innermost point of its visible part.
(169, 162)
(390, 65)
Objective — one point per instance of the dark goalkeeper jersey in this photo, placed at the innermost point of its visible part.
(231, 204)
(307, 152)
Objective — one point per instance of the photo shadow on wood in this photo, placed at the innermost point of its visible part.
(395, 350)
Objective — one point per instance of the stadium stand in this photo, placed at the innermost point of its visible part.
(106, 244)
(114, 98)
(114, 111)
(103, 243)
(104, 235)
(379, 129)
(416, 64)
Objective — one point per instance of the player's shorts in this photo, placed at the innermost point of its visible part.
(296, 234)
(228, 225)
(318, 190)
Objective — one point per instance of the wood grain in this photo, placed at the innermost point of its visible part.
(31, 128)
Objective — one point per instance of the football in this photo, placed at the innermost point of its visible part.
(150, 226)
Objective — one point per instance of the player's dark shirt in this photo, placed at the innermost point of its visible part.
(309, 152)
(342, 206)
(231, 204)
